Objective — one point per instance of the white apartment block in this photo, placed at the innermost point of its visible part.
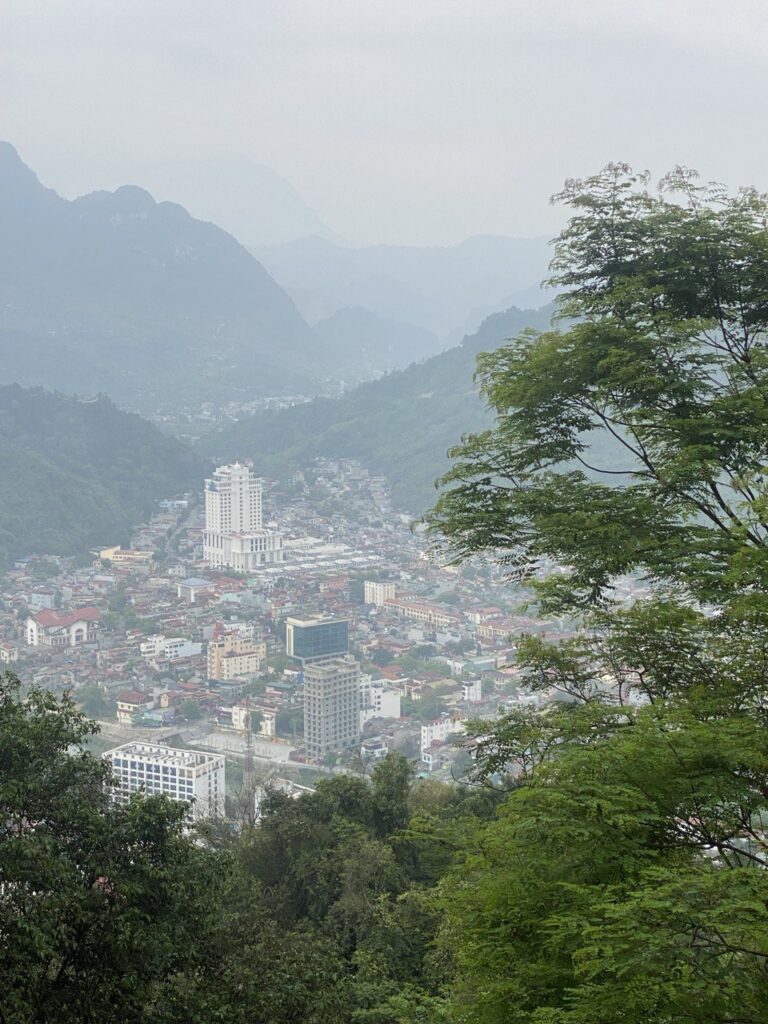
(472, 692)
(191, 776)
(234, 536)
(331, 706)
(377, 700)
(377, 593)
(439, 729)
(171, 648)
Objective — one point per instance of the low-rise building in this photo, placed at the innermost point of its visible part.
(421, 611)
(50, 628)
(377, 700)
(438, 729)
(120, 556)
(233, 655)
(8, 652)
(170, 648)
(130, 703)
(377, 593)
(472, 691)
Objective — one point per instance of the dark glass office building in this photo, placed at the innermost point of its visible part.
(313, 639)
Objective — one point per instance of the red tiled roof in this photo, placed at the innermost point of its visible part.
(133, 697)
(50, 618)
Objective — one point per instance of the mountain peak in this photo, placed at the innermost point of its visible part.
(17, 181)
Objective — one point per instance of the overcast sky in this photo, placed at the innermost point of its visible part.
(413, 121)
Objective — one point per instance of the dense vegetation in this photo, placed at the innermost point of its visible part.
(77, 474)
(609, 863)
(625, 878)
(324, 913)
(400, 425)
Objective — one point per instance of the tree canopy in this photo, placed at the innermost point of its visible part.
(635, 438)
(624, 879)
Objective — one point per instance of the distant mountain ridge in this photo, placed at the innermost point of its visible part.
(438, 288)
(366, 345)
(250, 200)
(75, 474)
(115, 292)
(400, 425)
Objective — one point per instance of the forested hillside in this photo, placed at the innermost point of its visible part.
(80, 473)
(115, 292)
(401, 425)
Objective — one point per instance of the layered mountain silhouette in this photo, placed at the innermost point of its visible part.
(400, 425)
(116, 292)
(448, 290)
(365, 345)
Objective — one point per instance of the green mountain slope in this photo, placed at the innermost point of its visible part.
(400, 425)
(75, 474)
(115, 292)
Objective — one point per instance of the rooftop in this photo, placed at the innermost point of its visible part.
(167, 755)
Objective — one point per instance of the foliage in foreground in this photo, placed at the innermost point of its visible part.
(609, 866)
(324, 913)
(624, 879)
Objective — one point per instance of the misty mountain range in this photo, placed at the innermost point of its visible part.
(400, 426)
(448, 290)
(115, 292)
(119, 294)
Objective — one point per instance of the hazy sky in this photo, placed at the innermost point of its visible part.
(415, 121)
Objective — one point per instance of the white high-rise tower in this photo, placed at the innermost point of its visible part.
(234, 535)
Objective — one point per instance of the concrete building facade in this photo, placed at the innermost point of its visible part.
(317, 638)
(331, 706)
(232, 654)
(50, 628)
(191, 776)
(234, 535)
(377, 593)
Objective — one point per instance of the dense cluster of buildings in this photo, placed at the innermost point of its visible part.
(328, 638)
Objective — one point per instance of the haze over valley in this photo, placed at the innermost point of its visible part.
(383, 533)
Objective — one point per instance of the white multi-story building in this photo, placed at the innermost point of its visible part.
(51, 628)
(439, 729)
(191, 776)
(472, 691)
(171, 648)
(377, 593)
(331, 705)
(234, 536)
(377, 700)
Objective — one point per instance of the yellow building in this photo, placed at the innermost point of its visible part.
(118, 555)
(231, 656)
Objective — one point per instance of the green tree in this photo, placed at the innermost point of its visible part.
(95, 702)
(98, 902)
(635, 439)
(190, 709)
(624, 878)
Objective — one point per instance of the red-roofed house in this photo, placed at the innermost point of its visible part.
(8, 652)
(130, 703)
(50, 628)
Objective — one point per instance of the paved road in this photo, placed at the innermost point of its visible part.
(233, 743)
